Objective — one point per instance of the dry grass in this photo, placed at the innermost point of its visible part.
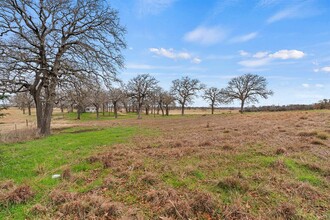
(227, 166)
(14, 120)
(19, 135)
(12, 194)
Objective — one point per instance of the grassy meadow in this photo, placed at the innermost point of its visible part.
(199, 166)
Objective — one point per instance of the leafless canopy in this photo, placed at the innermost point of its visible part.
(214, 96)
(185, 89)
(247, 88)
(140, 88)
(42, 41)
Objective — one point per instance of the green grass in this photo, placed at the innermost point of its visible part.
(34, 162)
(87, 116)
(303, 173)
(92, 116)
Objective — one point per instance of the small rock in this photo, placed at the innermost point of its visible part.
(55, 176)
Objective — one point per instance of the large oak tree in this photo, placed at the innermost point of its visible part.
(247, 88)
(185, 90)
(42, 41)
(140, 88)
(214, 96)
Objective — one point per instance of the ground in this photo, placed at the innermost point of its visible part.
(200, 166)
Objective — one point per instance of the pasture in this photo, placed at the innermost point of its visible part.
(198, 166)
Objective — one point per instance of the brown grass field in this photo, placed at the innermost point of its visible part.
(223, 166)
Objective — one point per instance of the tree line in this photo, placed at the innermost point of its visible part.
(142, 93)
(55, 51)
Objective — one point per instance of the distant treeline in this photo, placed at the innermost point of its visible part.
(323, 104)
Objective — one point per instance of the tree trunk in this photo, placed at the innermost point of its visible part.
(103, 109)
(242, 106)
(38, 104)
(154, 111)
(78, 112)
(126, 108)
(167, 110)
(182, 109)
(97, 111)
(115, 109)
(23, 109)
(162, 109)
(139, 111)
(47, 117)
(147, 109)
(29, 109)
(212, 108)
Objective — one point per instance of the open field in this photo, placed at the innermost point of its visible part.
(224, 166)
(16, 119)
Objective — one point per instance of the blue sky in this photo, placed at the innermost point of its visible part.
(286, 41)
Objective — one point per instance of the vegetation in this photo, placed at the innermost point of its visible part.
(214, 96)
(190, 167)
(100, 163)
(184, 90)
(40, 159)
(2, 106)
(247, 88)
(43, 43)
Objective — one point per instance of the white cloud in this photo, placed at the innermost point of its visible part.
(255, 62)
(243, 53)
(319, 85)
(206, 35)
(244, 38)
(196, 60)
(288, 54)
(283, 14)
(323, 69)
(153, 7)
(326, 69)
(171, 54)
(301, 10)
(260, 54)
(305, 85)
(262, 58)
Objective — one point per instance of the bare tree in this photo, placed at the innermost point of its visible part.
(168, 101)
(247, 88)
(23, 100)
(77, 92)
(184, 90)
(214, 96)
(158, 98)
(116, 96)
(61, 100)
(41, 41)
(96, 97)
(140, 88)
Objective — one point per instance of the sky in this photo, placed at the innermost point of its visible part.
(285, 41)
